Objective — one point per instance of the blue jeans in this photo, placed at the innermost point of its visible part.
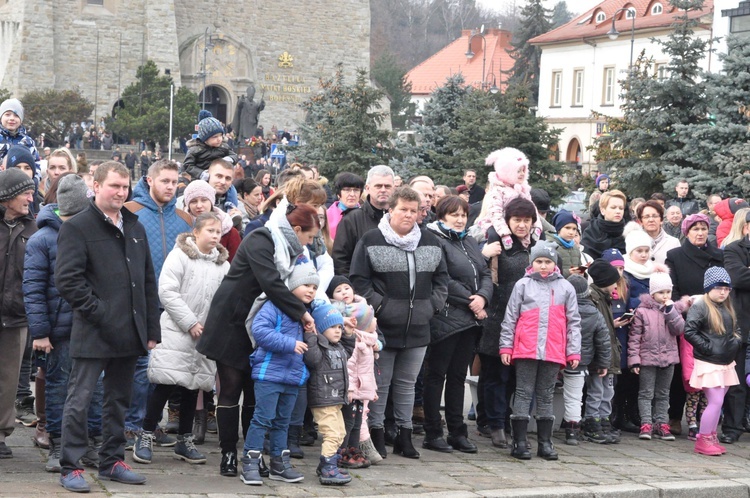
(497, 385)
(273, 408)
(300, 407)
(141, 389)
(58, 372)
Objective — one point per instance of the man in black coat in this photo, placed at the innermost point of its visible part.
(104, 271)
(357, 222)
(476, 193)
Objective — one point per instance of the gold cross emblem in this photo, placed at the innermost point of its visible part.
(285, 60)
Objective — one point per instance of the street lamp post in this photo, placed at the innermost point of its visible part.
(613, 33)
(470, 54)
(207, 43)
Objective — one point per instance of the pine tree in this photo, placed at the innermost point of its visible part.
(145, 110)
(560, 14)
(644, 147)
(535, 20)
(52, 112)
(342, 126)
(391, 76)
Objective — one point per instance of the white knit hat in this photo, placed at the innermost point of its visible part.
(658, 282)
(636, 239)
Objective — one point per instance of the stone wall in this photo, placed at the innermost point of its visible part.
(54, 44)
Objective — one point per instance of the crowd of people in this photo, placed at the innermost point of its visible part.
(280, 312)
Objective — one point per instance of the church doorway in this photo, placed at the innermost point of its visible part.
(217, 102)
(573, 155)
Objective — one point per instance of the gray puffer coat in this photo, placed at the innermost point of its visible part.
(329, 378)
(596, 350)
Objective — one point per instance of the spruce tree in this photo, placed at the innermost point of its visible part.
(535, 20)
(342, 126)
(560, 14)
(644, 147)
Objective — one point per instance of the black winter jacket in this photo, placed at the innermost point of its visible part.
(469, 275)
(13, 247)
(707, 346)
(200, 155)
(108, 279)
(737, 264)
(601, 235)
(596, 349)
(380, 274)
(253, 271)
(352, 227)
(328, 384)
(603, 304)
(511, 267)
(687, 265)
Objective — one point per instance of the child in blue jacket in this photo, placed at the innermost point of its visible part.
(278, 370)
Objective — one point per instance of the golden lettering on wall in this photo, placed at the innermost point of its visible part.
(285, 60)
(285, 87)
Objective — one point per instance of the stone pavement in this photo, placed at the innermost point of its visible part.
(632, 468)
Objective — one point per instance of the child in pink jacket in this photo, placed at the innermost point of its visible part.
(653, 353)
(541, 333)
(357, 449)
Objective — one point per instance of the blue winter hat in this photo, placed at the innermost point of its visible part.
(601, 177)
(614, 257)
(19, 154)
(326, 316)
(208, 127)
(203, 114)
(716, 276)
(562, 218)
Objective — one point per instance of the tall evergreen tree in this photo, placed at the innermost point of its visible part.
(342, 126)
(391, 76)
(644, 147)
(52, 112)
(560, 14)
(535, 20)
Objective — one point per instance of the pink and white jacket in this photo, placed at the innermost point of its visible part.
(542, 321)
(361, 367)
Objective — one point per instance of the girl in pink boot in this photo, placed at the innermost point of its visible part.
(711, 328)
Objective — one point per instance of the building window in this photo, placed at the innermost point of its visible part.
(601, 17)
(630, 13)
(578, 87)
(95, 2)
(556, 88)
(661, 71)
(656, 9)
(739, 24)
(608, 92)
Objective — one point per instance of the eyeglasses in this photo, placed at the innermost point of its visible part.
(350, 191)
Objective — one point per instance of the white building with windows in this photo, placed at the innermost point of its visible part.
(582, 67)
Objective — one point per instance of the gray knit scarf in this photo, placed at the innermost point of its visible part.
(408, 242)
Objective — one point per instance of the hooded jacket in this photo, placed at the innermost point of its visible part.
(49, 314)
(603, 303)
(200, 155)
(187, 283)
(542, 321)
(652, 341)
(723, 211)
(274, 360)
(327, 363)
(596, 351)
(361, 367)
(708, 346)
(469, 275)
(162, 223)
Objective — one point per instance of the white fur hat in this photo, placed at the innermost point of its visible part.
(507, 162)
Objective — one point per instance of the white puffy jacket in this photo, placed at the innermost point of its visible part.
(187, 285)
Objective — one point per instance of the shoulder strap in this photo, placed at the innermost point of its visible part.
(185, 216)
(133, 206)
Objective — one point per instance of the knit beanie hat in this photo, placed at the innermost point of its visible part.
(203, 114)
(603, 273)
(12, 105)
(562, 218)
(303, 273)
(208, 127)
(335, 282)
(360, 310)
(13, 182)
(196, 189)
(580, 285)
(638, 238)
(659, 281)
(540, 198)
(543, 249)
(714, 277)
(326, 316)
(73, 196)
(613, 257)
(19, 154)
(601, 177)
(691, 220)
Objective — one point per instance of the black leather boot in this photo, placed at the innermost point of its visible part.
(199, 427)
(378, 440)
(459, 440)
(403, 445)
(545, 449)
(520, 448)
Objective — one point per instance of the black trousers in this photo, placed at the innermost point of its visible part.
(734, 401)
(233, 383)
(352, 423)
(158, 399)
(445, 365)
(118, 387)
(677, 395)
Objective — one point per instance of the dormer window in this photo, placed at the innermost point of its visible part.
(601, 17)
(656, 9)
(630, 13)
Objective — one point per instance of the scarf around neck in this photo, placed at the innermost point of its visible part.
(641, 272)
(448, 233)
(408, 243)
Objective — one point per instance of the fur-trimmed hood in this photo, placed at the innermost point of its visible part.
(186, 242)
(506, 163)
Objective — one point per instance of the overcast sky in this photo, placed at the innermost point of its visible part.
(575, 6)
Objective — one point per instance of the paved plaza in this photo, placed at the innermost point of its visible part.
(632, 468)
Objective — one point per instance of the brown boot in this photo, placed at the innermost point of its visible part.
(41, 438)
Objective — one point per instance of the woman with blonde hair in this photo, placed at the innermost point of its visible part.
(605, 231)
(739, 227)
(60, 161)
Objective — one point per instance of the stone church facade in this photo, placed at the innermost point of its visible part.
(282, 48)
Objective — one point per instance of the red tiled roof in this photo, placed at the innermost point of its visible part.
(433, 72)
(585, 25)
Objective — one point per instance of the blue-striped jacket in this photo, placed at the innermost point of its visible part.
(274, 359)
